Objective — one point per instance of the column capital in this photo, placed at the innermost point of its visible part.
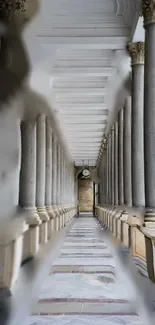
(148, 11)
(19, 11)
(136, 51)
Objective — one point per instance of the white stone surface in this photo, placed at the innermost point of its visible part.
(84, 320)
(89, 286)
(67, 287)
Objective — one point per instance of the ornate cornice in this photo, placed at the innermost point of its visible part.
(149, 11)
(136, 51)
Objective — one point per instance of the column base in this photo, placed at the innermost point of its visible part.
(31, 236)
(56, 219)
(149, 219)
(44, 226)
(51, 221)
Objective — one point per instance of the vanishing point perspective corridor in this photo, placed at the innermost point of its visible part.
(77, 162)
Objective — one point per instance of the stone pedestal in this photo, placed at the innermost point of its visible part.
(11, 250)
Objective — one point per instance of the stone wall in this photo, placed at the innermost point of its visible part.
(85, 191)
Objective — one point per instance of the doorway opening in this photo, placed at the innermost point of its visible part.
(85, 194)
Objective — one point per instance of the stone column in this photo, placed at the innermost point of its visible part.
(116, 161)
(61, 176)
(105, 171)
(48, 181)
(120, 159)
(112, 168)
(58, 186)
(54, 170)
(54, 182)
(27, 193)
(109, 169)
(40, 177)
(127, 152)
(136, 51)
(58, 174)
(149, 104)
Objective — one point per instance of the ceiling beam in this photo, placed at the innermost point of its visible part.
(75, 113)
(60, 93)
(105, 43)
(88, 71)
(87, 105)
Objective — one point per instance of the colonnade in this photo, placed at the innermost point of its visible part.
(127, 165)
(46, 196)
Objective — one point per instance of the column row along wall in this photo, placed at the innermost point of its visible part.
(127, 168)
(46, 196)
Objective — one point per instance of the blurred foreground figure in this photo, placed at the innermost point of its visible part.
(17, 102)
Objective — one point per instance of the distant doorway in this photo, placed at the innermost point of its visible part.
(85, 195)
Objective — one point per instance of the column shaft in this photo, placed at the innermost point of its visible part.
(54, 170)
(48, 187)
(116, 161)
(28, 165)
(109, 170)
(112, 168)
(40, 177)
(149, 115)
(120, 159)
(136, 51)
(127, 152)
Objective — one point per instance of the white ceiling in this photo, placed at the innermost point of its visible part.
(82, 48)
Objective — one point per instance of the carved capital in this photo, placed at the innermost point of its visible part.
(149, 11)
(136, 51)
(19, 11)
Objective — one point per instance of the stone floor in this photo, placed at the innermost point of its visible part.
(82, 288)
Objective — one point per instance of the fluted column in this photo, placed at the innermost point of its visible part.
(120, 158)
(136, 51)
(27, 193)
(149, 104)
(127, 152)
(116, 161)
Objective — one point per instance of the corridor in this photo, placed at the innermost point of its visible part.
(82, 287)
